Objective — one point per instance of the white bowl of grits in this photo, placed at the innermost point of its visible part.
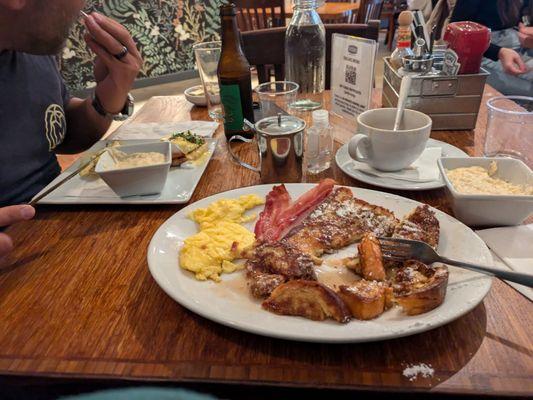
(137, 169)
(488, 191)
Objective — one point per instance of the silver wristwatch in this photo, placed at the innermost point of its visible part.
(126, 111)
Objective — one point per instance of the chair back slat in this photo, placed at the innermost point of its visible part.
(262, 73)
(273, 39)
(279, 72)
(261, 14)
(369, 10)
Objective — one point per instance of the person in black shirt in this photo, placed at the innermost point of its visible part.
(38, 118)
(509, 58)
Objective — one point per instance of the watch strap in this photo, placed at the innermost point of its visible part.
(98, 106)
(126, 111)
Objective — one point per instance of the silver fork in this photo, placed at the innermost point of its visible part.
(396, 249)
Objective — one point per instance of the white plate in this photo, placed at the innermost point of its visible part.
(179, 186)
(229, 302)
(343, 161)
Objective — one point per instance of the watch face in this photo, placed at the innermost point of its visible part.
(129, 105)
(129, 112)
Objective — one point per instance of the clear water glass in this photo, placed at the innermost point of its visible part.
(207, 55)
(305, 54)
(275, 97)
(510, 128)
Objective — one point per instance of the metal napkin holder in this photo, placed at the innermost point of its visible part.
(452, 102)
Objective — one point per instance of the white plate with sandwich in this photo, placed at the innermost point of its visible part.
(190, 155)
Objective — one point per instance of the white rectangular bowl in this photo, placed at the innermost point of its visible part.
(490, 209)
(136, 181)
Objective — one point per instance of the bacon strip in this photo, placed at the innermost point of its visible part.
(276, 202)
(287, 215)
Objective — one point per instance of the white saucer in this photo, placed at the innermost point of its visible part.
(343, 160)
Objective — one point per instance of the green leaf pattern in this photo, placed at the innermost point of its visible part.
(164, 30)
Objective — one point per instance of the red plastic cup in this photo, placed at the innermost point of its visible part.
(469, 40)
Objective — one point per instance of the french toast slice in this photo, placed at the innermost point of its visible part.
(340, 220)
(369, 262)
(308, 299)
(420, 224)
(366, 299)
(271, 264)
(336, 222)
(419, 288)
(261, 284)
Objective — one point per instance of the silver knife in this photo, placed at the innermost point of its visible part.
(66, 178)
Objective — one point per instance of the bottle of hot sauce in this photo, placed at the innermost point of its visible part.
(234, 77)
(403, 43)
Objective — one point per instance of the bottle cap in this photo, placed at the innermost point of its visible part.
(228, 10)
(305, 3)
(405, 18)
(320, 117)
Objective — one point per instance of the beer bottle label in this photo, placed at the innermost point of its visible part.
(230, 96)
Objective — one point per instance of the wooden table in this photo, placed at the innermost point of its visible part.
(332, 11)
(77, 301)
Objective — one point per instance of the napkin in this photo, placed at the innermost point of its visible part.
(157, 130)
(423, 169)
(513, 249)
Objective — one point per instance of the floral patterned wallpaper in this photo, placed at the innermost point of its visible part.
(164, 30)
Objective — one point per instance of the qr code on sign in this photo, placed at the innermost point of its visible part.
(350, 75)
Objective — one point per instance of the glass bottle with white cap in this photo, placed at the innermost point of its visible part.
(305, 54)
(319, 143)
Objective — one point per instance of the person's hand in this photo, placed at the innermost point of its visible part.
(511, 61)
(525, 35)
(9, 216)
(114, 76)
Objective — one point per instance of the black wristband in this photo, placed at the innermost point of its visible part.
(126, 111)
(98, 106)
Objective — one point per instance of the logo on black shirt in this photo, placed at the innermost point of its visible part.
(55, 125)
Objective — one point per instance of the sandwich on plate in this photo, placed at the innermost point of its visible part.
(186, 146)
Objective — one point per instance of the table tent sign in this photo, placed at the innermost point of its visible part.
(352, 74)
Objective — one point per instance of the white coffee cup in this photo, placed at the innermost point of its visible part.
(378, 145)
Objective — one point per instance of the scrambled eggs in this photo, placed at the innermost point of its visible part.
(221, 238)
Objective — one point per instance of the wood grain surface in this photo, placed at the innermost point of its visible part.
(77, 300)
(329, 10)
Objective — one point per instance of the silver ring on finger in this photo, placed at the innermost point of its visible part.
(122, 54)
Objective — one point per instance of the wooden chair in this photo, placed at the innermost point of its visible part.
(369, 10)
(267, 46)
(345, 19)
(391, 10)
(260, 14)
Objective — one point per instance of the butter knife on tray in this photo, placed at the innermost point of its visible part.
(93, 159)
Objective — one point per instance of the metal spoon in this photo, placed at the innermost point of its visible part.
(404, 91)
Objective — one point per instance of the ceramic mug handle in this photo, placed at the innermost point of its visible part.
(359, 142)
